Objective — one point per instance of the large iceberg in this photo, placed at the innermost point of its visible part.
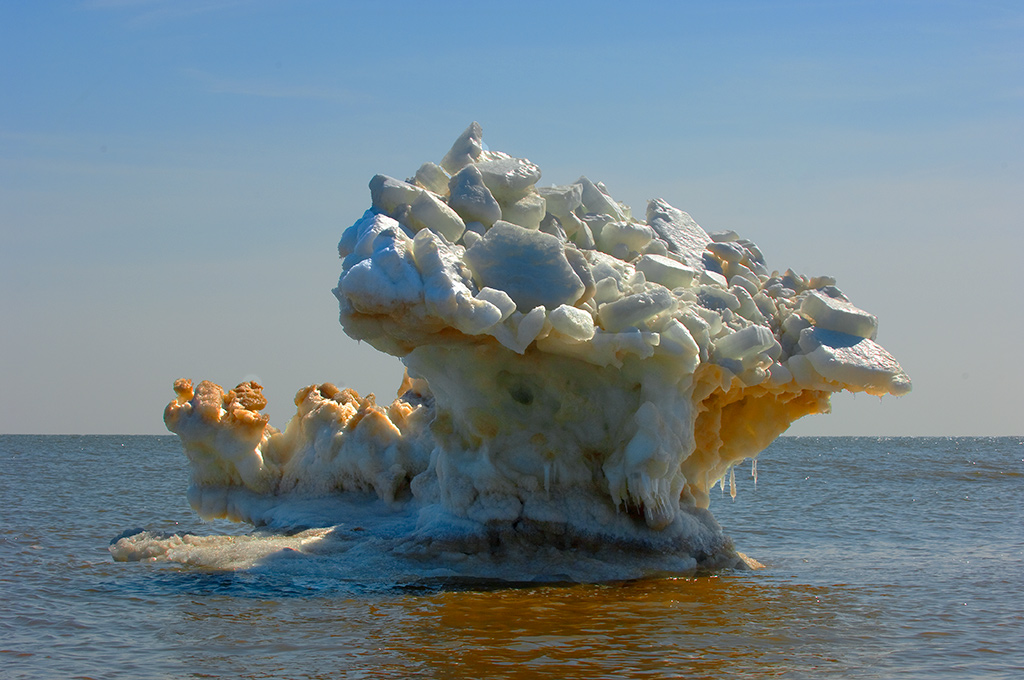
(577, 380)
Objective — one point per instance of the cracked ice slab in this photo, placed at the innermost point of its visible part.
(684, 237)
(852, 360)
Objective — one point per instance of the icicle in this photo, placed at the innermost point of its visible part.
(721, 484)
(547, 477)
(753, 471)
(732, 482)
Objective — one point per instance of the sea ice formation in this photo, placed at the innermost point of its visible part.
(577, 380)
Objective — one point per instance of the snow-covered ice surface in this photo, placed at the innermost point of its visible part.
(577, 381)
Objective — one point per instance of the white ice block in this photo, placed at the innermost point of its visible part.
(430, 212)
(471, 198)
(528, 265)
(562, 200)
(387, 281)
(572, 322)
(633, 310)
(855, 362)
(388, 193)
(666, 271)
(499, 299)
(675, 338)
(744, 344)
(708, 278)
(508, 178)
(527, 211)
(838, 315)
(727, 251)
(520, 330)
(684, 237)
(633, 235)
(598, 202)
(467, 149)
(357, 242)
(432, 177)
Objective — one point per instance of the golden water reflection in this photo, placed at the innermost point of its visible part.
(720, 626)
(748, 625)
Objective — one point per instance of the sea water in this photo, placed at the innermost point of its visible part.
(893, 557)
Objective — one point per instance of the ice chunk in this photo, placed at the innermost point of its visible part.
(633, 236)
(572, 322)
(675, 338)
(509, 179)
(666, 271)
(747, 309)
(527, 211)
(598, 202)
(430, 212)
(563, 200)
(499, 299)
(634, 309)
(684, 237)
(432, 177)
(656, 247)
(387, 193)
(764, 303)
(470, 236)
(579, 264)
(528, 265)
(779, 374)
(715, 298)
(471, 198)
(727, 251)
(603, 265)
(466, 149)
(733, 270)
(744, 344)
(447, 294)
(708, 278)
(388, 281)
(854, 362)
(357, 242)
(520, 330)
(838, 315)
(607, 290)
(744, 282)
(583, 237)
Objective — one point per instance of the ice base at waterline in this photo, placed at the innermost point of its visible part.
(577, 380)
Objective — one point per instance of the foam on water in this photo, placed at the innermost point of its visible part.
(577, 381)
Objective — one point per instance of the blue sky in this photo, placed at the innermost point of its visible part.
(175, 176)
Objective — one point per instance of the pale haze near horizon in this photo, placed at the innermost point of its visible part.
(175, 177)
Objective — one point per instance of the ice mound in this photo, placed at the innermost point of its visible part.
(577, 379)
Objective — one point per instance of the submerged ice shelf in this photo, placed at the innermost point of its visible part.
(576, 377)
